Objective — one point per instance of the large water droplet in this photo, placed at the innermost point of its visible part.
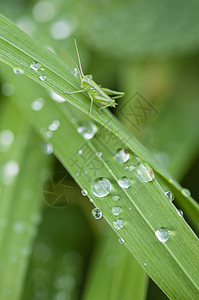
(169, 195)
(37, 104)
(163, 234)
(47, 148)
(9, 172)
(18, 72)
(42, 77)
(56, 97)
(84, 192)
(124, 182)
(144, 172)
(87, 129)
(101, 187)
(116, 210)
(35, 65)
(6, 139)
(97, 214)
(54, 125)
(121, 155)
(118, 224)
(186, 192)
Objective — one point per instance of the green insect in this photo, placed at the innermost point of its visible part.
(95, 91)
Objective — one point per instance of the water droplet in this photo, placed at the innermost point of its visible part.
(84, 192)
(163, 234)
(18, 72)
(80, 152)
(97, 214)
(101, 187)
(47, 148)
(186, 192)
(124, 182)
(61, 30)
(115, 198)
(46, 134)
(116, 210)
(42, 77)
(99, 154)
(131, 168)
(56, 97)
(121, 155)
(91, 200)
(9, 171)
(43, 11)
(42, 69)
(37, 104)
(144, 172)
(7, 89)
(75, 72)
(121, 240)
(6, 139)
(19, 227)
(87, 129)
(118, 224)
(180, 212)
(35, 65)
(54, 125)
(169, 195)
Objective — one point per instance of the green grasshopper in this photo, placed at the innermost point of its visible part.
(95, 91)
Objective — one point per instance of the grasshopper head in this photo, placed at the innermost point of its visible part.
(85, 79)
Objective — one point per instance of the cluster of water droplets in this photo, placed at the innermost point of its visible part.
(36, 66)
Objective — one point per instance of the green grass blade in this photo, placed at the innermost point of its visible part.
(144, 206)
(21, 200)
(19, 50)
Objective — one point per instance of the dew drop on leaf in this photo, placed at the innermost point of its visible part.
(87, 129)
(124, 182)
(121, 156)
(84, 192)
(163, 234)
(35, 65)
(115, 198)
(169, 195)
(118, 224)
(186, 192)
(144, 172)
(54, 125)
(17, 71)
(47, 148)
(101, 187)
(116, 210)
(42, 77)
(121, 240)
(97, 214)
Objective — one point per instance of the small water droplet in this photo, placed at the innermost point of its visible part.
(118, 224)
(124, 182)
(6, 140)
(130, 208)
(163, 234)
(75, 72)
(84, 192)
(56, 97)
(47, 148)
(180, 212)
(37, 104)
(186, 192)
(131, 168)
(121, 240)
(91, 200)
(18, 72)
(101, 187)
(80, 152)
(46, 134)
(144, 172)
(87, 129)
(169, 195)
(97, 214)
(42, 77)
(54, 125)
(77, 174)
(99, 154)
(19, 227)
(115, 198)
(42, 69)
(35, 65)
(9, 171)
(121, 155)
(116, 210)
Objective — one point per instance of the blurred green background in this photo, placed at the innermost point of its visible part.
(149, 50)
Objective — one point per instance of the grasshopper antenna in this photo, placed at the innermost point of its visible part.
(73, 62)
(80, 66)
